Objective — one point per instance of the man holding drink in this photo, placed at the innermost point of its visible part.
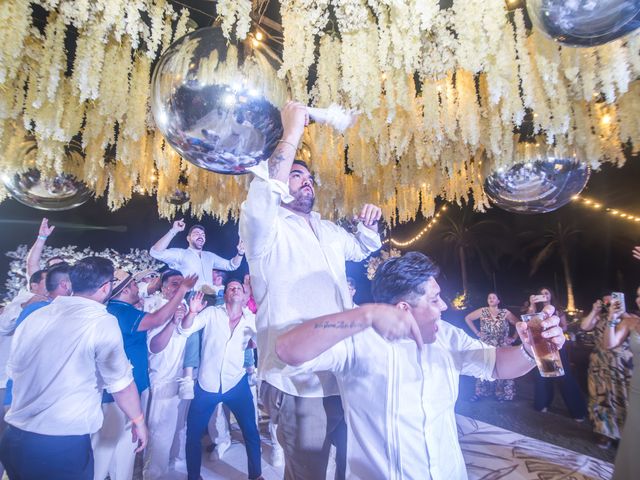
(399, 379)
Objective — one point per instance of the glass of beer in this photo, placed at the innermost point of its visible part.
(544, 350)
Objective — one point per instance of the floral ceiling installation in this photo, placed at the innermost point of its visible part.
(441, 94)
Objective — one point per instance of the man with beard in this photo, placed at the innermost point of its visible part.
(297, 265)
(193, 260)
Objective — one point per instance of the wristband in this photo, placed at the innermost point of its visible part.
(42, 237)
(288, 143)
(138, 419)
(527, 355)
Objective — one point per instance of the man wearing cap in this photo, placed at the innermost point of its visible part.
(61, 359)
(193, 260)
(112, 449)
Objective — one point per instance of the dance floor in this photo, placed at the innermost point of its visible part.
(490, 452)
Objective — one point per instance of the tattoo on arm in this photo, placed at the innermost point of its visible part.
(340, 324)
(275, 162)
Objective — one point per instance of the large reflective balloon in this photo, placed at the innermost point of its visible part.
(53, 193)
(208, 108)
(584, 23)
(539, 186)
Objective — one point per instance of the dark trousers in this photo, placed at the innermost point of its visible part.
(31, 456)
(569, 389)
(240, 401)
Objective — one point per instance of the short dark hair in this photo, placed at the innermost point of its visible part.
(36, 277)
(402, 278)
(232, 279)
(90, 273)
(168, 274)
(196, 227)
(301, 163)
(56, 257)
(222, 273)
(55, 274)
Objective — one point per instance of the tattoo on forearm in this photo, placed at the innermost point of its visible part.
(275, 162)
(340, 324)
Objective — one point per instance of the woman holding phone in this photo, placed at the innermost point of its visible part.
(545, 387)
(622, 327)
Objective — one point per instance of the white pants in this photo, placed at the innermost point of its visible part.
(113, 451)
(166, 421)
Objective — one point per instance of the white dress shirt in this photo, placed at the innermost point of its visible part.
(189, 261)
(399, 402)
(165, 366)
(297, 273)
(8, 318)
(221, 364)
(61, 358)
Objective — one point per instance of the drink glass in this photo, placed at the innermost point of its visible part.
(544, 350)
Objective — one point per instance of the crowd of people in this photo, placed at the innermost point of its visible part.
(105, 364)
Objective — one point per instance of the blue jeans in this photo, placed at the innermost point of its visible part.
(32, 456)
(240, 401)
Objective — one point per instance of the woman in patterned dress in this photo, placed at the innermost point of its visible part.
(623, 327)
(545, 387)
(494, 330)
(608, 377)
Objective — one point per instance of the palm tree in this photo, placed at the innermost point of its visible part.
(559, 241)
(469, 237)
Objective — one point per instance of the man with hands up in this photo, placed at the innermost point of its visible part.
(398, 366)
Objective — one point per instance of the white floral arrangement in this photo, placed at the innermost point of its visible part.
(374, 262)
(136, 260)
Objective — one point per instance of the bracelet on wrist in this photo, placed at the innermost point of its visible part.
(527, 355)
(43, 237)
(288, 143)
(138, 419)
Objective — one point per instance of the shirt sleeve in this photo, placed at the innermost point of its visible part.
(358, 246)
(474, 358)
(259, 212)
(170, 256)
(112, 363)
(198, 323)
(220, 263)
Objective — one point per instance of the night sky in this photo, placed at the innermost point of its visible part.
(601, 259)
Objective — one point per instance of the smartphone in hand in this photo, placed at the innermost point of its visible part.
(618, 297)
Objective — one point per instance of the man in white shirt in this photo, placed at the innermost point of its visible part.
(409, 363)
(222, 378)
(166, 356)
(61, 359)
(297, 265)
(193, 260)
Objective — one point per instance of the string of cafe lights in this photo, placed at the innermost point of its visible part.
(421, 233)
(596, 205)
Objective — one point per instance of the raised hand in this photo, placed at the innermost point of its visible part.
(370, 216)
(197, 303)
(45, 230)
(181, 312)
(188, 282)
(551, 331)
(393, 323)
(178, 225)
(294, 118)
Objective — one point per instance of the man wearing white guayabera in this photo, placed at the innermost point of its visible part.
(167, 412)
(193, 260)
(410, 361)
(61, 359)
(227, 331)
(297, 265)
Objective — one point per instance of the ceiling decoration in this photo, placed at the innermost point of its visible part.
(442, 92)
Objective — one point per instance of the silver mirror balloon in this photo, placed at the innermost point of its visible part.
(52, 193)
(539, 184)
(584, 23)
(209, 109)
